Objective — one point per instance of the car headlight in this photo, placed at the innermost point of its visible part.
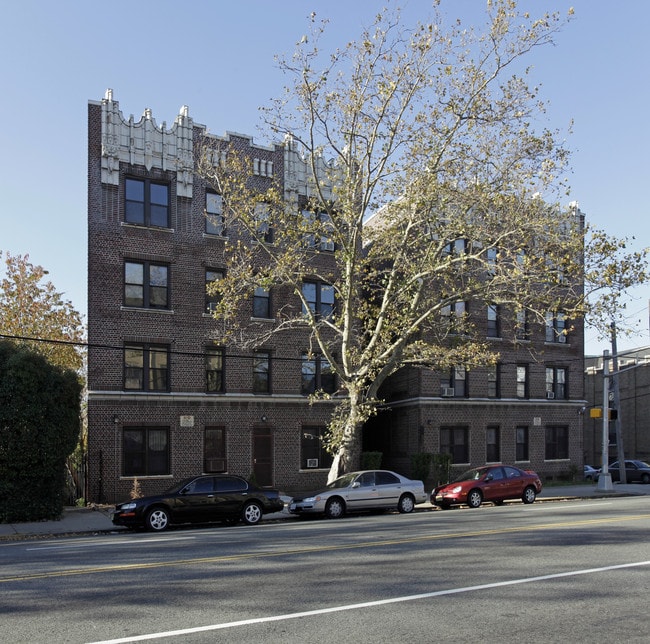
(310, 499)
(457, 489)
(127, 506)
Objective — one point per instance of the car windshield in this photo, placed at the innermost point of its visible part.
(342, 481)
(471, 475)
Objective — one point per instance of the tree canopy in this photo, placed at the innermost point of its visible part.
(31, 307)
(432, 182)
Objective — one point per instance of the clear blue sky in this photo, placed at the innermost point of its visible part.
(217, 57)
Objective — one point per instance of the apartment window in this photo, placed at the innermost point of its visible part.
(456, 248)
(319, 298)
(456, 384)
(556, 383)
(454, 317)
(261, 303)
(313, 454)
(146, 367)
(212, 299)
(522, 326)
(556, 327)
(557, 443)
(321, 223)
(214, 449)
(494, 381)
(145, 451)
(493, 330)
(491, 257)
(493, 444)
(317, 375)
(521, 446)
(146, 285)
(214, 369)
(261, 372)
(146, 203)
(454, 441)
(214, 219)
(522, 381)
(264, 231)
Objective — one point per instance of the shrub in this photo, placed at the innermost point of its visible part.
(421, 466)
(39, 428)
(371, 460)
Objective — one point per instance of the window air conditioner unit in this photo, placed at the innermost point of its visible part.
(550, 395)
(447, 392)
(312, 462)
(215, 465)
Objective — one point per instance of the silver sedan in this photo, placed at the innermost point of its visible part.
(361, 491)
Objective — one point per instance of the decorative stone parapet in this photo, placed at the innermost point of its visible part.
(144, 143)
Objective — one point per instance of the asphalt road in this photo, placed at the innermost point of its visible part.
(574, 571)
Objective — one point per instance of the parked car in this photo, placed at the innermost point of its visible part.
(591, 473)
(635, 471)
(200, 499)
(358, 491)
(494, 483)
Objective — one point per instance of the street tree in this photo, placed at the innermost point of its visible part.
(433, 184)
(35, 314)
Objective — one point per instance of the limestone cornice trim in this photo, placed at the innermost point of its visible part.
(147, 144)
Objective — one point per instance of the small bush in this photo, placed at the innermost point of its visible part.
(371, 460)
(421, 466)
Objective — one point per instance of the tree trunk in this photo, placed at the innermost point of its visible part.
(348, 456)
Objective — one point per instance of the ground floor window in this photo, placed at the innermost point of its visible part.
(214, 449)
(557, 442)
(492, 444)
(313, 454)
(455, 441)
(145, 451)
(522, 444)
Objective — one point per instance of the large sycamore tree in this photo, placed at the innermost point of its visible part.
(432, 183)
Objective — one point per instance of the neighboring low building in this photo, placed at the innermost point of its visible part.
(632, 411)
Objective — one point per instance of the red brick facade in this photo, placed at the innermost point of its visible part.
(262, 430)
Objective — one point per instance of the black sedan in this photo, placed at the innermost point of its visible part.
(635, 471)
(200, 499)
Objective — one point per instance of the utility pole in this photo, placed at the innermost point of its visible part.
(616, 400)
(605, 478)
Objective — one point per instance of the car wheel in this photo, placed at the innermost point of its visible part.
(157, 519)
(645, 478)
(406, 504)
(529, 495)
(474, 498)
(335, 508)
(252, 513)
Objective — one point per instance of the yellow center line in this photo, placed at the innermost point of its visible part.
(321, 548)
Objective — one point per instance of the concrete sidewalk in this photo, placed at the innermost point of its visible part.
(94, 520)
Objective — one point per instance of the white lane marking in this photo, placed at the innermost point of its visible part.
(74, 546)
(372, 604)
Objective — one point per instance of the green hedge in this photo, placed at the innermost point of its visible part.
(39, 428)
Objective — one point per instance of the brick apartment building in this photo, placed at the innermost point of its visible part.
(165, 402)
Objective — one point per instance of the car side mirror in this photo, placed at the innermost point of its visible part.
(355, 484)
(489, 477)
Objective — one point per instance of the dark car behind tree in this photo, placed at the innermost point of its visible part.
(635, 471)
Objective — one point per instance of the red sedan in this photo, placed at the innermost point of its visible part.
(494, 483)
